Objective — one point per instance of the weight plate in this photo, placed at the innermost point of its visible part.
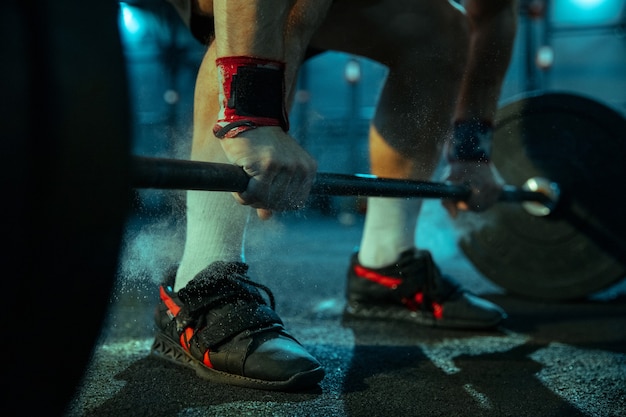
(64, 169)
(578, 143)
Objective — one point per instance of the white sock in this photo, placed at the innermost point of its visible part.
(389, 230)
(216, 225)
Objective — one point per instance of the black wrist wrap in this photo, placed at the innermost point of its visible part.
(252, 95)
(257, 92)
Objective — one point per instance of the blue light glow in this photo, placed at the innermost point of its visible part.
(131, 23)
(586, 4)
(587, 12)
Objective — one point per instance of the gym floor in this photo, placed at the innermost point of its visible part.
(547, 359)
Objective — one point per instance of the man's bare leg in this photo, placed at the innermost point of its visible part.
(215, 319)
(216, 222)
(424, 46)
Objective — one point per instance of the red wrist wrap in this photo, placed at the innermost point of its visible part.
(252, 95)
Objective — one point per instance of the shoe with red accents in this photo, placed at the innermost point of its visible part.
(414, 290)
(221, 326)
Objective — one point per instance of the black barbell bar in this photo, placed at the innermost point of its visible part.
(178, 174)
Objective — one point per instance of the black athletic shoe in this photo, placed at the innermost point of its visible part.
(220, 326)
(413, 289)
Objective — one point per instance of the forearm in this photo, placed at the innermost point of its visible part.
(251, 27)
(493, 29)
(276, 32)
(250, 52)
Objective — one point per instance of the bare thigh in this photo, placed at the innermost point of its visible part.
(382, 29)
(423, 43)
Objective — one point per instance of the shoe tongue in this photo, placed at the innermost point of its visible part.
(435, 285)
(413, 263)
(212, 284)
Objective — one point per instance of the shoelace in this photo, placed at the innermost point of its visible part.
(186, 317)
(266, 289)
(239, 273)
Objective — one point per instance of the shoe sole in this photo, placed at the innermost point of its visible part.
(165, 348)
(357, 310)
